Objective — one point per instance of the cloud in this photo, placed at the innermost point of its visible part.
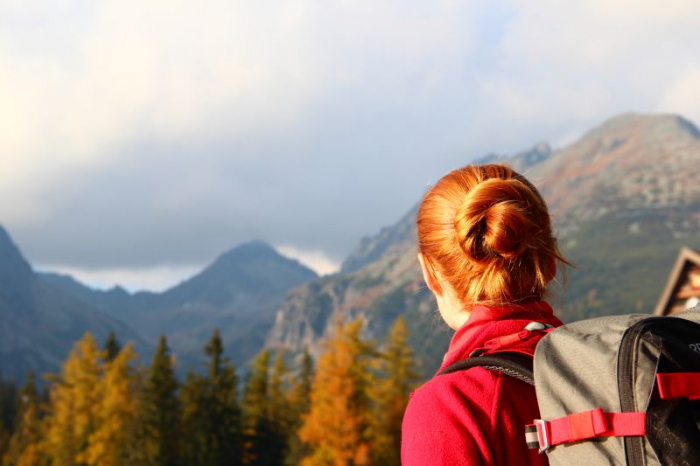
(150, 279)
(683, 94)
(316, 260)
(560, 68)
(164, 133)
(144, 135)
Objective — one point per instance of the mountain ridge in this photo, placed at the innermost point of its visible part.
(239, 293)
(623, 246)
(622, 197)
(39, 322)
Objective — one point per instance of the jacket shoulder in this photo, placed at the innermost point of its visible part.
(451, 418)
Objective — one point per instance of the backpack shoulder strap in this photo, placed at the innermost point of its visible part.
(514, 365)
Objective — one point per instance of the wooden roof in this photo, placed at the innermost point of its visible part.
(673, 294)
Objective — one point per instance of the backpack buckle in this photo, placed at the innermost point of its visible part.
(542, 436)
(537, 327)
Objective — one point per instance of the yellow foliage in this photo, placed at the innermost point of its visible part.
(73, 401)
(24, 445)
(110, 443)
(30, 456)
(391, 395)
(337, 423)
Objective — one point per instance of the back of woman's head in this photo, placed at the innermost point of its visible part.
(487, 231)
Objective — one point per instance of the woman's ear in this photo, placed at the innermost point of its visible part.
(429, 275)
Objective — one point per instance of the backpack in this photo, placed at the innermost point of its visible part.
(622, 390)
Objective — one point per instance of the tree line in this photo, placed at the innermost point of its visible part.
(105, 409)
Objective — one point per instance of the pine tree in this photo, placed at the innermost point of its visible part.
(391, 395)
(337, 427)
(299, 406)
(222, 401)
(73, 401)
(162, 410)
(112, 347)
(112, 442)
(302, 389)
(8, 414)
(211, 411)
(256, 425)
(194, 419)
(24, 447)
(5, 439)
(280, 414)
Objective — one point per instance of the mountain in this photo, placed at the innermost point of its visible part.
(624, 199)
(239, 293)
(39, 322)
(388, 240)
(379, 292)
(112, 301)
(631, 163)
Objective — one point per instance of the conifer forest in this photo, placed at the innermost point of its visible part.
(104, 408)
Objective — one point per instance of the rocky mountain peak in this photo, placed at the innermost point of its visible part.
(622, 196)
(649, 126)
(628, 163)
(255, 259)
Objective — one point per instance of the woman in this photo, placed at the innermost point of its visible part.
(487, 253)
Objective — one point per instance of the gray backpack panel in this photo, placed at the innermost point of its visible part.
(576, 369)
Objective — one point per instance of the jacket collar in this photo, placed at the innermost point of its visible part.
(487, 323)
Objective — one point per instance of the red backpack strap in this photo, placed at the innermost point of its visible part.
(582, 426)
(679, 385)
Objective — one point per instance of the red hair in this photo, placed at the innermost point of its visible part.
(487, 230)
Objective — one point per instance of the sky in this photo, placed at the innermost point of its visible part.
(140, 140)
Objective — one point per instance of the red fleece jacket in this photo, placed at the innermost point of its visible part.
(477, 416)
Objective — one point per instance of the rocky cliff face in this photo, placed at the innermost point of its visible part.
(388, 241)
(629, 163)
(378, 292)
(624, 198)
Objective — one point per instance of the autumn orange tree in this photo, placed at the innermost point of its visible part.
(115, 438)
(73, 401)
(102, 409)
(337, 427)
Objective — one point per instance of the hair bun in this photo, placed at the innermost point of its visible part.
(487, 229)
(497, 221)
